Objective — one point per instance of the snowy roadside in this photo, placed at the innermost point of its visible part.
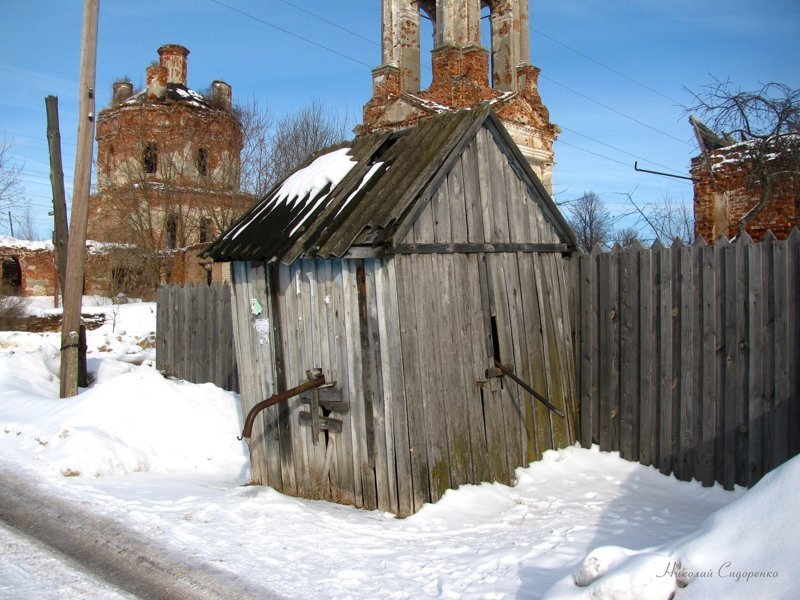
(161, 457)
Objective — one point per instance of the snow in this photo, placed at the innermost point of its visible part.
(367, 176)
(12, 242)
(162, 457)
(308, 183)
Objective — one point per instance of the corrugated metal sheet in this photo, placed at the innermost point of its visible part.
(392, 172)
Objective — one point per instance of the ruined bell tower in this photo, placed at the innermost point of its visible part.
(460, 67)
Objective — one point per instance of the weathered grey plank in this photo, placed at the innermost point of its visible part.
(504, 344)
(476, 361)
(363, 471)
(647, 359)
(628, 359)
(496, 162)
(400, 484)
(452, 354)
(535, 442)
(429, 347)
(793, 336)
(412, 378)
(587, 310)
(782, 363)
(708, 291)
(562, 267)
(741, 431)
(485, 189)
(375, 402)
(755, 354)
(665, 382)
(607, 330)
(720, 355)
(442, 231)
(492, 398)
(684, 365)
(557, 355)
(457, 203)
(472, 193)
(346, 491)
(732, 395)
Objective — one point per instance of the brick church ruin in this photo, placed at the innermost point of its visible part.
(167, 183)
(461, 75)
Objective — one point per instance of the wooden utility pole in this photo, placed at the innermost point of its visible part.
(76, 246)
(57, 183)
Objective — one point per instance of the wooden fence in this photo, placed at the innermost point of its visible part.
(194, 334)
(688, 356)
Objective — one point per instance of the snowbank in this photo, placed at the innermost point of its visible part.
(162, 457)
(746, 549)
(131, 419)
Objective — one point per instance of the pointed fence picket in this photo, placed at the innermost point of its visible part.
(688, 356)
(194, 334)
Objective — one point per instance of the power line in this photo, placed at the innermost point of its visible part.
(619, 162)
(350, 58)
(31, 137)
(615, 111)
(603, 156)
(605, 66)
(324, 20)
(287, 32)
(596, 141)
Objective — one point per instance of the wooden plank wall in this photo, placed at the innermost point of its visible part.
(409, 340)
(482, 200)
(688, 357)
(405, 340)
(194, 337)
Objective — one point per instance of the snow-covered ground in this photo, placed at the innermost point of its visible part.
(162, 457)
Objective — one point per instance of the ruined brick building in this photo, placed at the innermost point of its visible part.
(167, 161)
(728, 191)
(461, 75)
(167, 184)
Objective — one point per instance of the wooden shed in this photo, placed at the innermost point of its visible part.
(417, 272)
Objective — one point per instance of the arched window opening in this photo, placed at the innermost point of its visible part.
(172, 232)
(150, 157)
(427, 40)
(486, 37)
(202, 162)
(12, 275)
(205, 230)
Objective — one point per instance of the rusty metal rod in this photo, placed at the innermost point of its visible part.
(275, 399)
(528, 388)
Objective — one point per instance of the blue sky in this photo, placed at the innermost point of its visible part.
(613, 73)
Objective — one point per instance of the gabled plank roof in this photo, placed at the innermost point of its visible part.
(365, 191)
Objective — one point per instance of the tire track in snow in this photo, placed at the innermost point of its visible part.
(113, 552)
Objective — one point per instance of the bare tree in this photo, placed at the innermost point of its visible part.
(665, 220)
(273, 150)
(26, 228)
(767, 123)
(300, 135)
(10, 187)
(590, 220)
(626, 237)
(257, 171)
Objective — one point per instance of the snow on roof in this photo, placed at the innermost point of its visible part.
(306, 185)
(373, 169)
(12, 242)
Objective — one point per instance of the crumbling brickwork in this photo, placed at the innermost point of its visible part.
(725, 191)
(167, 161)
(461, 77)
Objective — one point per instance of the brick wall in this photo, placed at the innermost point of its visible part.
(725, 190)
